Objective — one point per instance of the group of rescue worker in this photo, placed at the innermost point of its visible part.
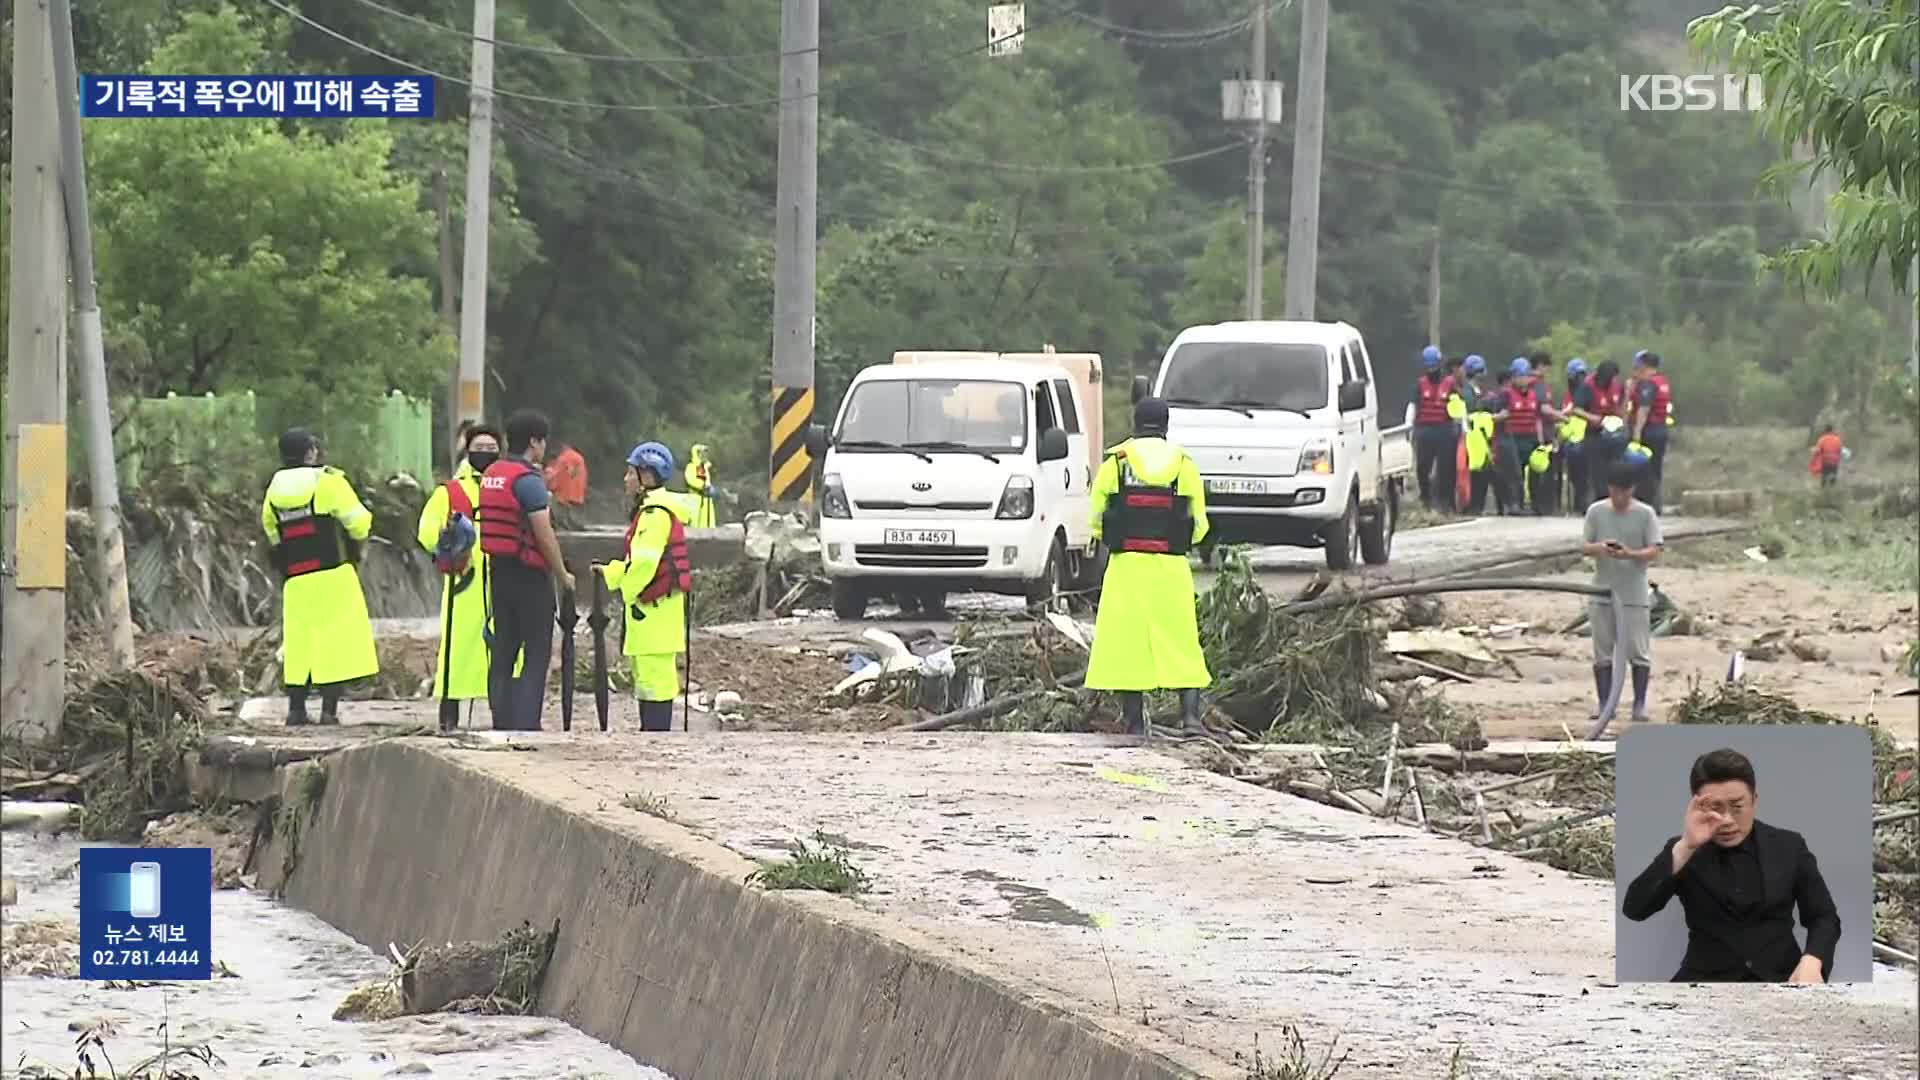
(491, 533)
(1537, 447)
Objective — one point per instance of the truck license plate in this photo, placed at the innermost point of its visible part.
(921, 537)
(1233, 485)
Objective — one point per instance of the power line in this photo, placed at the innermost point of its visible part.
(1458, 184)
(1173, 38)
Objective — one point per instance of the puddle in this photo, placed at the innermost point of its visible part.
(1028, 904)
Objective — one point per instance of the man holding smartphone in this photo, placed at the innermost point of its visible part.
(1622, 538)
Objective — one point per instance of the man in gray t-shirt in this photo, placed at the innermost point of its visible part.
(1622, 538)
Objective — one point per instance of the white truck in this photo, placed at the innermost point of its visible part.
(1281, 418)
(961, 472)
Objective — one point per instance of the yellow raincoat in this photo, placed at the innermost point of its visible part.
(656, 632)
(1145, 636)
(700, 485)
(325, 634)
(1479, 441)
(465, 594)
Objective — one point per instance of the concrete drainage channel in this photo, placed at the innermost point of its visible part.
(664, 951)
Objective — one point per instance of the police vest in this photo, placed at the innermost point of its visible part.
(1662, 398)
(1523, 407)
(1431, 403)
(1151, 519)
(504, 529)
(674, 572)
(309, 541)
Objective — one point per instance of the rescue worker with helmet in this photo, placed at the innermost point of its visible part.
(460, 668)
(1434, 433)
(317, 527)
(1480, 403)
(1522, 430)
(526, 573)
(700, 486)
(1647, 417)
(1604, 412)
(1150, 509)
(653, 581)
(1570, 436)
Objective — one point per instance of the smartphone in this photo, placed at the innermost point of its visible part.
(143, 890)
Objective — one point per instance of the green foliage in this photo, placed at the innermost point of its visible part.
(822, 865)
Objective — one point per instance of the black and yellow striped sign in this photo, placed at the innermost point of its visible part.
(790, 469)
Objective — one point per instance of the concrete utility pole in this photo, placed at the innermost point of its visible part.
(449, 293)
(1433, 291)
(33, 598)
(109, 545)
(1303, 210)
(1257, 169)
(789, 467)
(473, 292)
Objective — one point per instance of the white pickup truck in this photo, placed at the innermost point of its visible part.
(961, 472)
(1281, 418)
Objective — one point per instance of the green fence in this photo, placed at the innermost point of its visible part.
(227, 438)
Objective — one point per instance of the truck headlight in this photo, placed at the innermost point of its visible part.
(833, 498)
(1317, 457)
(1016, 502)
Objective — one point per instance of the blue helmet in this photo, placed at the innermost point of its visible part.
(1430, 356)
(1475, 365)
(1519, 369)
(1576, 366)
(654, 457)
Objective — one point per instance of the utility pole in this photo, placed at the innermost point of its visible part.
(1257, 168)
(473, 292)
(109, 544)
(449, 294)
(1303, 209)
(790, 467)
(33, 598)
(1433, 291)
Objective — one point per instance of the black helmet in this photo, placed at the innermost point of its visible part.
(1150, 416)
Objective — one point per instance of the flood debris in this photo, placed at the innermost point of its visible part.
(227, 830)
(498, 977)
(40, 948)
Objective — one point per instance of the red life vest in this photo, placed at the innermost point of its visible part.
(1431, 404)
(674, 572)
(1606, 399)
(1523, 408)
(504, 530)
(1147, 519)
(1662, 398)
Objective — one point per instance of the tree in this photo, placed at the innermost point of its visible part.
(256, 255)
(1843, 78)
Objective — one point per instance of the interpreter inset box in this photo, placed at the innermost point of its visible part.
(1743, 854)
(146, 914)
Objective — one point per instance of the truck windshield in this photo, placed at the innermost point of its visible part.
(941, 415)
(1254, 375)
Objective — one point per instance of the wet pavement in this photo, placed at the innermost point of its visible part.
(273, 1018)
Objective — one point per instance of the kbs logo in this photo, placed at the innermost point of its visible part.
(1691, 93)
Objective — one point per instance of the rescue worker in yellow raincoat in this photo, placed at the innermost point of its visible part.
(700, 486)
(460, 668)
(1150, 509)
(653, 582)
(317, 527)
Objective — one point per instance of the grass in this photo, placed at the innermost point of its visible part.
(646, 802)
(1294, 1061)
(92, 1061)
(296, 808)
(823, 866)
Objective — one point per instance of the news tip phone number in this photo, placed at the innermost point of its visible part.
(141, 958)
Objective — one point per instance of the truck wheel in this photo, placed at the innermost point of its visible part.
(1043, 592)
(849, 601)
(1376, 535)
(1345, 537)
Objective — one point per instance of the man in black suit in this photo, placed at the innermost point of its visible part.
(1738, 881)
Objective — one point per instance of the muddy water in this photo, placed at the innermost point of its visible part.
(275, 1018)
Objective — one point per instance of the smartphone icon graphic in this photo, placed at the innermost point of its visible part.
(143, 890)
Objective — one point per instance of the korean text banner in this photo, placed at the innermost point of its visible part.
(146, 914)
(336, 97)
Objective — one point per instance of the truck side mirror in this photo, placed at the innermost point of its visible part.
(1353, 396)
(816, 441)
(1141, 388)
(1053, 446)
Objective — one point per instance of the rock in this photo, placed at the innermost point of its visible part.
(728, 703)
(39, 816)
(9, 892)
(1892, 654)
(1809, 650)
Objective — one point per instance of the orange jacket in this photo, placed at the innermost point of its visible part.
(567, 477)
(1826, 453)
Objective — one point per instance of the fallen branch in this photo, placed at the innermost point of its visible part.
(1897, 815)
(1429, 588)
(1546, 827)
(999, 706)
(1888, 950)
(1321, 794)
